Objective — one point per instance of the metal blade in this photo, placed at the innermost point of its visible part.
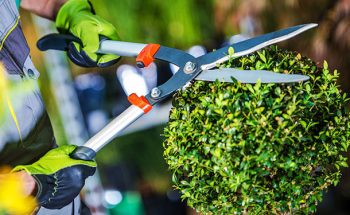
(249, 76)
(221, 55)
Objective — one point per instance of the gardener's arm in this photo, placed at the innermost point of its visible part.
(44, 8)
(77, 17)
(28, 181)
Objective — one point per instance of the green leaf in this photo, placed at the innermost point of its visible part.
(231, 51)
(262, 56)
(325, 65)
(343, 164)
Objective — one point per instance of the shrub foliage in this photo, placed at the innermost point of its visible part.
(264, 148)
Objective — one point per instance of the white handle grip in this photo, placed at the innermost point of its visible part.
(114, 128)
(120, 48)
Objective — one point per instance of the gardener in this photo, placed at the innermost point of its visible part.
(26, 136)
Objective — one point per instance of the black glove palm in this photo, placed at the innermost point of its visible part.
(59, 178)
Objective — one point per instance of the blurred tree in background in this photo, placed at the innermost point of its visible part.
(330, 41)
(180, 23)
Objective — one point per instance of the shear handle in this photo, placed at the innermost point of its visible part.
(60, 42)
(139, 107)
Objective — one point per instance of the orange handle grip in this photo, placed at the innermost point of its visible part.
(146, 56)
(140, 102)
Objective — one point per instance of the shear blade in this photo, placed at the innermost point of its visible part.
(251, 45)
(249, 76)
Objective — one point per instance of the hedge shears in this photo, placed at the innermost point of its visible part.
(191, 68)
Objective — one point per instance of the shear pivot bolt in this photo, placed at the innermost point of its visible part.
(189, 67)
(155, 93)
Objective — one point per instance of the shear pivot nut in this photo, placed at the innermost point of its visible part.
(155, 93)
(190, 67)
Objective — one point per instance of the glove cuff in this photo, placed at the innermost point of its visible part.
(68, 10)
(25, 168)
(39, 189)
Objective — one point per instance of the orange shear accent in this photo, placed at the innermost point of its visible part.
(146, 56)
(140, 102)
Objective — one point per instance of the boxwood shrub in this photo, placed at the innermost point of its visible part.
(259, 148)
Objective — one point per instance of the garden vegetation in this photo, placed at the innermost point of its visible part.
(259, 148)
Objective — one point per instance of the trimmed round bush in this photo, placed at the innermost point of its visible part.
(259, 148)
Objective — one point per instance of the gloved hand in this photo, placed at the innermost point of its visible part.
(77, 17)
(59, 178)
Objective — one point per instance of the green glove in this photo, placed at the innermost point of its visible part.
(59, 178)
(77, 17)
